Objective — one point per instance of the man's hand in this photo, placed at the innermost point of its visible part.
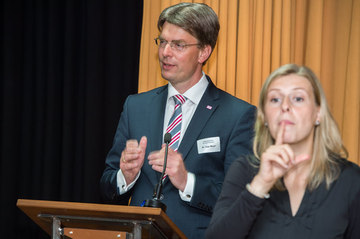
(132, 158)
(175, 167)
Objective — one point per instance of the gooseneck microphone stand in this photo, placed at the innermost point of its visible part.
(156, 200)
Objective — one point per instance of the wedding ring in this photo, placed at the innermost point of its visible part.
(123, 160)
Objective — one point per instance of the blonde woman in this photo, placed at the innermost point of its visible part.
(299, 184)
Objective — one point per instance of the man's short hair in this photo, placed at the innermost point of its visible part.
(198, 19)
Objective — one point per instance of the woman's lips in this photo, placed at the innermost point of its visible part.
(286, 122)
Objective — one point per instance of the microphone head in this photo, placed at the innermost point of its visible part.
(167, 138)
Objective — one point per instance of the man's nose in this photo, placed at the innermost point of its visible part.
(167, 50)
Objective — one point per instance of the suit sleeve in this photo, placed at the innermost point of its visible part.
(239, 142)
(236, 209)
(108, 184)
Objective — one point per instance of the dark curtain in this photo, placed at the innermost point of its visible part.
(66, 69)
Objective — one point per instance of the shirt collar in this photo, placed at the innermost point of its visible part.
(193, 94)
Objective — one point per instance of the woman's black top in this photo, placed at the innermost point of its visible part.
(323, 213)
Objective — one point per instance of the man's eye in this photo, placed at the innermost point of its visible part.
(178, 45)
(162, 42)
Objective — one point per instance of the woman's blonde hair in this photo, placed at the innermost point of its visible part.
(328, 145)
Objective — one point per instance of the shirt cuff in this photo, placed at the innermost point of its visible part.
(189, 188)
(121, 182)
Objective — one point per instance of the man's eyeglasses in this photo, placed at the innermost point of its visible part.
(175, 45)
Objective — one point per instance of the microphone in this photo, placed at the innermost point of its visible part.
(155, 202)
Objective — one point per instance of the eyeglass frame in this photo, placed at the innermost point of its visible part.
(173, 45)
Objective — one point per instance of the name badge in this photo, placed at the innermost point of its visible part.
(208, 145)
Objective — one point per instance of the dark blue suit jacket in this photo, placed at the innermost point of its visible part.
(228, 118)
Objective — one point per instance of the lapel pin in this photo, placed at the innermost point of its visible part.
(209, 107)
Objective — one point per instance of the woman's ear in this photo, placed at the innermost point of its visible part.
(317, 121)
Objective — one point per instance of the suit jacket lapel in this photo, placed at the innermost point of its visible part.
(155, 119)
(207, 106)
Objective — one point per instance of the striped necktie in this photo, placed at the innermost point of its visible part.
(174, 126)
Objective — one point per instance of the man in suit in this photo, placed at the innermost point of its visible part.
(214, 128)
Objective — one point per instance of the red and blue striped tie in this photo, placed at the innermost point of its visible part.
(174, 126)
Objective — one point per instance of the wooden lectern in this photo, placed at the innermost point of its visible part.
(89, 220)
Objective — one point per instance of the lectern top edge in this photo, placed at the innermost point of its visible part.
(102, 212)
